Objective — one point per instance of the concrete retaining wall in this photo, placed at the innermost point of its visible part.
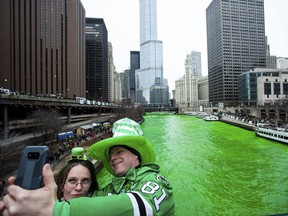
(238, 123)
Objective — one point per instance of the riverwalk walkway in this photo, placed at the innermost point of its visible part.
(101, 118)
(238, 122)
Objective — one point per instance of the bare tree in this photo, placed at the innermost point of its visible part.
(135, 113)
(139, 111)
(47, 124)
(8, 152)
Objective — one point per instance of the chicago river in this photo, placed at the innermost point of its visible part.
(219, 169)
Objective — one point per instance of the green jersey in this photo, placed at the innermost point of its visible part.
(141, 192)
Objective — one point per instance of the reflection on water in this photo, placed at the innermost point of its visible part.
(219, 169)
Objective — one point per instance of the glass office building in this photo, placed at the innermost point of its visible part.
(96, 59)
(151, 54)
(236, 43)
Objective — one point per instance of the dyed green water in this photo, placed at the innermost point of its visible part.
(219, 169)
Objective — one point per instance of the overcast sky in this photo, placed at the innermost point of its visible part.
(181, 27)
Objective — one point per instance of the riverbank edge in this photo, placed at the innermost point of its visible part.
(237, 123)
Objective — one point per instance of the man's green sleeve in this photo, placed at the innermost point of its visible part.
(123, 204)
(61, 208)
(91, 206)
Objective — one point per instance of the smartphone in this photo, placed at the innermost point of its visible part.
(29, 174)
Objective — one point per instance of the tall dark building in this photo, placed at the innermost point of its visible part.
(42, 46)
(236, 43)
(96, 59)
(134, 65)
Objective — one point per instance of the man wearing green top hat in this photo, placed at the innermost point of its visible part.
(137, 188)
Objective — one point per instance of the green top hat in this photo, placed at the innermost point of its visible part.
(126, 132)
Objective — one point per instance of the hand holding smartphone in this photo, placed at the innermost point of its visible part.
(29, 174)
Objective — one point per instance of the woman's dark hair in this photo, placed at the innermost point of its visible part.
(62, 176)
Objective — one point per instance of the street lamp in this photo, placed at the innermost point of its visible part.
(67, 93)
(3, 84)
(5, 80)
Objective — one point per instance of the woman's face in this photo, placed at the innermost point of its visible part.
(77, 183)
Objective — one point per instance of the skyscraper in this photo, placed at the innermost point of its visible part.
(134, 65)
(42, 47)
(236, 43)
(111, 74)
(196, 63)
(96, 59)
(151, 54)
(271, 60)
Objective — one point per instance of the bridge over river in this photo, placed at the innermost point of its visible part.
(14, 109)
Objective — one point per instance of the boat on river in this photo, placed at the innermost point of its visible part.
(211, 118)
(191, 113)
(271, 132)
(201, 115)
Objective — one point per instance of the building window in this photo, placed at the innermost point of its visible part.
(285, 89)
(277, 89)
(267, 89)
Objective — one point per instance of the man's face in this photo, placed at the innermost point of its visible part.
(121, 160)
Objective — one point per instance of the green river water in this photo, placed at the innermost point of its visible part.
(218, 169)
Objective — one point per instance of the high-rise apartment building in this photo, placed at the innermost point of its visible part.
(42, 47)
(191, 79)
(96, 59)
(196, 63)
(125, 85)
(111, 74)
(117, 86)
(271, 60)
(236, 43)
(151, 53)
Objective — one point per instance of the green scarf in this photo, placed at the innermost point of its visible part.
(120, 183)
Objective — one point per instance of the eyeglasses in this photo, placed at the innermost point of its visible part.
(72, 183)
